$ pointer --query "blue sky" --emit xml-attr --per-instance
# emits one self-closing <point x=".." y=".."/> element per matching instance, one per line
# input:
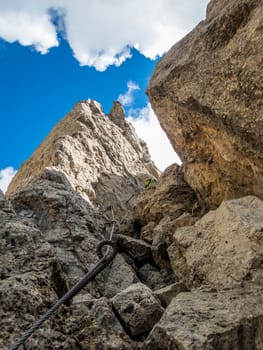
<point x="54" y="53"/>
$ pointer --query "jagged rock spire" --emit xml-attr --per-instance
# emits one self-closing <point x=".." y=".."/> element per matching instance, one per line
<point x="117" y="114"/>
<point x="101" y="156"/>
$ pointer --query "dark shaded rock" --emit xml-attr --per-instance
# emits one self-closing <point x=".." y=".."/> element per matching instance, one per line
<point x="46" y="247"/>
<point x="117" y="277"/>
<point x="154" y="277"/>
<point x="137" y="249"/>
<point x="117" y="115"/>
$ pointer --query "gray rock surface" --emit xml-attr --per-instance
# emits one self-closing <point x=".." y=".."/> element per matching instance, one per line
<point x="206" y="320"/>
<point x="206" y="92"/>
<point x="46" y="246"/>
<point x="224" y="248"/>
<point x="73" y="228"/>
<point x="154" y="277"/>
<point x="166" y="294"/>
<point x="137" y="308"/>
<point x="160" y="208"/>
<point x="170" y="196"/>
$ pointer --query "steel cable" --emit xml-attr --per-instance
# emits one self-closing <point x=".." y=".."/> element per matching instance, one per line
<point x="100" y="265"/>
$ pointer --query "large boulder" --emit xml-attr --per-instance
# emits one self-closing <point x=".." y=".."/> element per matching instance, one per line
<point x="224" y="248"/>
<point x="207" y="94"/>
<point x="137" y="308"/>
<point x="206" y="320"/>
<point x="170" y="196"/>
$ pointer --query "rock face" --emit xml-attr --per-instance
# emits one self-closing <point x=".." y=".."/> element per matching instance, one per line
<point x="171" y="197"/>
<point x="138" y="309"/>
<point x="224" y="248"/>
<point x="184" y="277"/>
<point x="46" y="246"/>
<point x="163" y="206"/>
<point x="58" y="211"/>
<point x="101" y="156"/>
<point x="207" y="95"/>
<point x="206" y="320"/>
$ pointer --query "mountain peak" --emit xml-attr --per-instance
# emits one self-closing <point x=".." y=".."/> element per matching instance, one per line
<point x="99" y="159"/>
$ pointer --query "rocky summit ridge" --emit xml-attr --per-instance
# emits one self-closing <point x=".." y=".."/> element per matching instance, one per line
<point x="93" y="151"/>
<point x="188" y="274"/>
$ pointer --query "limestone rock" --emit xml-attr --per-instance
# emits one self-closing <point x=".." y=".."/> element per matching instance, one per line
<point x="207" y="94"/>
<point x="73" y="228"/>
<point x="138" y="250"/>
<point x="59" y="210"/>
<point x="45" y="248"/>
<point x="166" y="294"/>
<point x="85" y="325"/>
<point x="138" y="309"/>
<point x="118" y="277"/>
<point x="224" y="248"/>
<point x="170" y="196"/>
<point x="154" y="277"/>
<point x="117" y="115"/>
<point x="146" y="232"/>
<point x="22" y="247"/>
<point x="159" y="208"/>
<point x="105" y="163"/>
<point x="102" y="329"/>
<point x="204" y="320"/>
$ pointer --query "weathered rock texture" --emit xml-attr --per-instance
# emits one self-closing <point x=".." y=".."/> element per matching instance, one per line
<point x="206" y="320"/>
<point x="46" y="246"/>
<point x="207" y="94"/>
<point x="101" y="156"/>
<point x="163" y="206"/>
<point x="57" y="214"/>
<point x="171" y="197"/>
<point x="224" y="248"/>
<point x="138" y="309"/>
<point x="206" y="270"/>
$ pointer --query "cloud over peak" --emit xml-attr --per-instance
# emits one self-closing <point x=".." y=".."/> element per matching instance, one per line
<point x="101" y="33"/>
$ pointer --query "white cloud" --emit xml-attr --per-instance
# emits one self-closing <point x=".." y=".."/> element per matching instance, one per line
<point x="101" y="32"/>
<point x="128" y="98"/>
<point x="28" y="29"/>
<point x="6" y="176"/>
<point x="148" y="128"/>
